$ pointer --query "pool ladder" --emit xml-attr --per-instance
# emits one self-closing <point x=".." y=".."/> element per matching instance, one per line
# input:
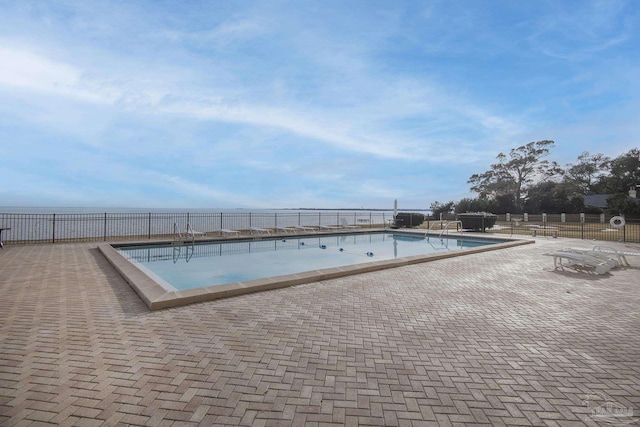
<point x="179" y="239"/>
<point x="445" y="229"/>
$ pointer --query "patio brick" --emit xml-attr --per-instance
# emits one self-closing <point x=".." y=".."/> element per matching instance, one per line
<point x="495" y="338"/>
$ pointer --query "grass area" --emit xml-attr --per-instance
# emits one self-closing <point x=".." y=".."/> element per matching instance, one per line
<point x="576" y="230"/>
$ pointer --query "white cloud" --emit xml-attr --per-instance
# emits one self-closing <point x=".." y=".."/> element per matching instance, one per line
<point x="577" y="33"/>
<point x="188" y="98"/>
<point x="353" y="128"/>
<point x="223" y="35"/>
<point x="27" y="70"/>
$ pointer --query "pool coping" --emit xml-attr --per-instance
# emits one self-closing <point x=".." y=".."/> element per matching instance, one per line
<point x="156" y="297"/>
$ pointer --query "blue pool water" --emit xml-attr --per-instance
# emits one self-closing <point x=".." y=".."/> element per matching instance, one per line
<point x="216" y="263"/>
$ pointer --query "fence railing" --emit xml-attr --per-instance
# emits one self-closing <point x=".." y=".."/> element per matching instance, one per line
<point x="577" y="226"/>
<point x="86" y="227"/>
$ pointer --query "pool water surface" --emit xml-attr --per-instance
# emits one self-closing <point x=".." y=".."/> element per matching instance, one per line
<point x="216" y="263"/>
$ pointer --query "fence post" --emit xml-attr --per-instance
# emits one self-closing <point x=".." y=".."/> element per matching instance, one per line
<point x="53" y="236"/>
<point x="105" y="227"/>
<point x="149" y="225"/>
<point x="582" y="219"/>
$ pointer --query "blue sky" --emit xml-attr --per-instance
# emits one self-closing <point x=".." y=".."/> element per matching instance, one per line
<point x="272" y="104"/>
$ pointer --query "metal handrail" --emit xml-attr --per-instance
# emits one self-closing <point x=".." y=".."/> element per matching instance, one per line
<point x="426" y="234"/>
<point x="177" y="236"/>
<point x="446" y="227"/>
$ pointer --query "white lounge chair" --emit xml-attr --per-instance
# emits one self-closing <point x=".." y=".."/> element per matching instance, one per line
<point x="604" y="256"/>
<point x="193" y="233"/>
<point x="304" y="228"/>
<point x="620" y="255"/>
<point x="286" y="229"/>
<point x="227" y="231"/>
<point x="570" y="259"/>
<point x="259" y="230"/>
<point x="330" y="227"/>
<point x="345" y="224"/>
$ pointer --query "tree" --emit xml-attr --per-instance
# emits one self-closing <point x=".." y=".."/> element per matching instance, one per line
<point x="437" y="208"/>
<point x="624" y="172"/>
<point x="549" y="196"/>
<point x="622" y="204"/>
<point x="476" y="205"/>
<point x="514" y="173"/>
<point x="583" y="178"/>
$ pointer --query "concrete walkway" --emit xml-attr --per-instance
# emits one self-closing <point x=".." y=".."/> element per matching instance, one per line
<point x="487" y="339"/>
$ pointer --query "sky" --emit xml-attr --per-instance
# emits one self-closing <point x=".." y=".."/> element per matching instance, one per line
<point x="287" y="104"/>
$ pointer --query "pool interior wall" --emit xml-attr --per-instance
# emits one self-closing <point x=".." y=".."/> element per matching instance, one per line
<point x="156" y="296"/>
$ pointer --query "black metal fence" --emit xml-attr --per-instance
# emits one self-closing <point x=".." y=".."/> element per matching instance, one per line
<point x="578" y="226"/>
<point x="86" y="227"/>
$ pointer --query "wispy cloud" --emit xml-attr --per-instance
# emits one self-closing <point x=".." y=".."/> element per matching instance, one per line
<point x="580" y="31"/>
<point x="30" y="71"/>
<point x="38" y="73"/>
<point x="223" y="35"/>
<point x="242" y="104"/>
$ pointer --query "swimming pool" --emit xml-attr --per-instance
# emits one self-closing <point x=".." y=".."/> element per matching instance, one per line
<point x="209" y="264"/>
<point x="166" y="274"/>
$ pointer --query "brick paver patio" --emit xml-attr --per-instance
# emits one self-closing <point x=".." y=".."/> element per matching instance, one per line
<point x="487" y="339"/>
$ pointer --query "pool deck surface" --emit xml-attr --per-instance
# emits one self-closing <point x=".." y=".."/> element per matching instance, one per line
<point x="492" y="338"/>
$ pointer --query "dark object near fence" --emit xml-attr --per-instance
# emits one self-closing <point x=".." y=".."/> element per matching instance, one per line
<point x="477" y="220"/>
<point x="408" y="219"/>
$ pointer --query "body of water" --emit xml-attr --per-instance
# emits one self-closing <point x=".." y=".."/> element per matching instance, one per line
<point x="47" y="224"/>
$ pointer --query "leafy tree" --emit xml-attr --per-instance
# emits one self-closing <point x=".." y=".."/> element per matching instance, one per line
<point x="549" y="196"/>
<point x="623" y="204"/>
<point x="441" y="208"/>
<point x="504" y="203"/>
<point x="500" y="204"/>
<point x="512" y="175"/>
<point x="624" y="172"/>
<point x="476" y="205"/>
<point x="464" y="205"/>
<point x="584" y="177"/>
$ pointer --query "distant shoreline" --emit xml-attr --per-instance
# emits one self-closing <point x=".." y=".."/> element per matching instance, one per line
<point x="89" y="209"/>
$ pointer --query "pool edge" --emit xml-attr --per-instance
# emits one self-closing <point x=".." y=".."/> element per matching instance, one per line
<point x="157" y="297"/>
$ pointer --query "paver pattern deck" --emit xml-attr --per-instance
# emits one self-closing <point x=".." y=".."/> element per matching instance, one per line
<point x="488" y="339"/>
